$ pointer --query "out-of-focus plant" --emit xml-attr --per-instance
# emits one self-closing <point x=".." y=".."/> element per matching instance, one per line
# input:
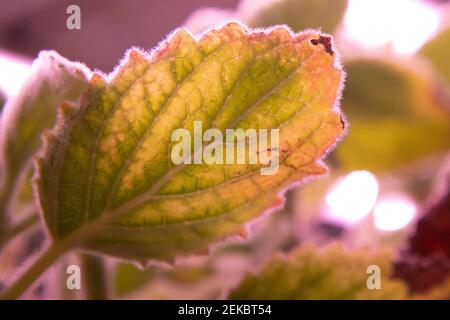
<point x="309" y="273"/>
<point x="437" y="51"/>
<point x="394" y="116"/>
<point x="53" y="80"/>
<point x="299" y="15"/>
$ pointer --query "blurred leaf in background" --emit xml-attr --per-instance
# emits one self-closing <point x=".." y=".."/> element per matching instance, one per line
<point x="299" y="14"/>
<point x="53" y="79"/>
<point x="437" y="50"/>
<point x="311" y="273"/>
<point x="393" y="115"/>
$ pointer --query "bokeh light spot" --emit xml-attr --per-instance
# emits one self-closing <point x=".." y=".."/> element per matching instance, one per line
<point x="353" y="197"/>
<point x="393" y="212"/>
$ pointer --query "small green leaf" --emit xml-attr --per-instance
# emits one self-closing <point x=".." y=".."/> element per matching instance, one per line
<point x="310" y="273"/>
<point x="300" y="14"/>
<point x="25" y="116"/>
<point x="394" y="117"/>
<point x="107" y="180"/>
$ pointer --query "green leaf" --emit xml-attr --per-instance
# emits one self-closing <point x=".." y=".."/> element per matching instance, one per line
<point x="437" y="50"/>
<point x="107" y="181"/>
<point x="394" y="117"/>
<point x="128" y="278"/>
<point x="25" y="116"/>
<point x="300" y="14"/>
<point x="310" y="273"/>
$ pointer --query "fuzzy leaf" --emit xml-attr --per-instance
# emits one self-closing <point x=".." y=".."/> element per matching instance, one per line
<point x="107" y="180"/>
<point x="25" y="116"/>
<point x="308" y="273"/>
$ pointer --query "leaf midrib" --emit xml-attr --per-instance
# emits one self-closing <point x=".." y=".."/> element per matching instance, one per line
<point x="166" y="177"/>
<point x="176" y="170"/>
<point x="108" y="216"/>
<point x="204" y="219"/>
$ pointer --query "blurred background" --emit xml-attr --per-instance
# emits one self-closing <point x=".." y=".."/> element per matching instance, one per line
<point x="390" y="177"/>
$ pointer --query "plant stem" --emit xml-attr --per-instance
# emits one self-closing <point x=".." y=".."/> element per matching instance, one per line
<point x="6" y="192"/>
<point x="28" y="222"/>
<point x="94" y="275"/>
<point x="25" y="280"/>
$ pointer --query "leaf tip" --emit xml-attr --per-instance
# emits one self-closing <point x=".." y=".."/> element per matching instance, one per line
<point x="97" y="80"/>
<point x="136" y="55"/>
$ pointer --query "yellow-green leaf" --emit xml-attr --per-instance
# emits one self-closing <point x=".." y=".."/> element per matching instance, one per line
<point x="394" y="117"/>
<point x="107" y="180"/>
<point x="331" y="273"/>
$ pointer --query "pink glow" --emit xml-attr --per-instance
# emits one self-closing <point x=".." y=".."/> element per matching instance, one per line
<point x="404" y="24"/>
<point x="393" y="212"/>
<point x="353" y="197"/>
<point x="14" y="72"/>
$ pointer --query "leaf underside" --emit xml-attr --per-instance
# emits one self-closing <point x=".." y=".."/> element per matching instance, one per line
<point x="113" y="151"/>
<point x="311" y="273"/>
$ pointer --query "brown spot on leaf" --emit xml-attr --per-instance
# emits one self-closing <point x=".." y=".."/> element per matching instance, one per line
<point x="342" y="122"/>
<point x="326" y="42"/>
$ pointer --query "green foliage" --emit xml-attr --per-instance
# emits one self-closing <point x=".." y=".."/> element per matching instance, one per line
<point x="301" y="14"/>
<point x="437" y="50"/>
<point x="394" y="118"/>
<point x="53" y="80"/>
<point x="308" y="273"/>
<point x="128" y="278"/>
<point x="106" y="181"/>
